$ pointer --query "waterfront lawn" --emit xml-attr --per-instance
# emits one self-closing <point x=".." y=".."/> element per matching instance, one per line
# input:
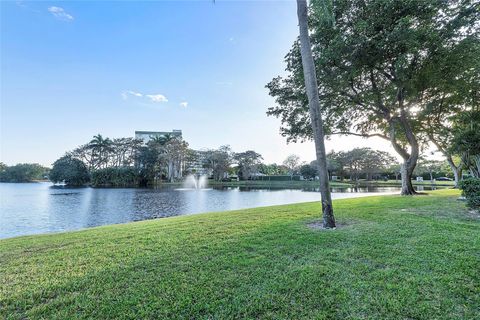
<point x="427" y="183"/>
<point x="277" y="184"/>
<point x="394" y="258"/>
<point x="334" y="184"/>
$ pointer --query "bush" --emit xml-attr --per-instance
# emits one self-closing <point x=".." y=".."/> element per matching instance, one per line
<point x="471" y="190"/>
<point x="69" y="170"/>
<point x="115" y="177"/>
<point x="278" y="178"/>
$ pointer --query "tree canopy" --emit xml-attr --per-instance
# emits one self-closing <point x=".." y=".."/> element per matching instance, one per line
<point x="69" y="170"/>
<point x="381" y="65"/>
<point x="22" y="172"/>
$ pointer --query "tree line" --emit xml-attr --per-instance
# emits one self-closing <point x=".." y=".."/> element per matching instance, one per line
<point x="130" y="162"/>
<point x="23" y="172"/>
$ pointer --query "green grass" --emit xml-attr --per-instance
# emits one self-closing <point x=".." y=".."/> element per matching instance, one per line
<point x="395" y="258"/>
<point x="315" y="184"/>
<point x="414" y="182"/>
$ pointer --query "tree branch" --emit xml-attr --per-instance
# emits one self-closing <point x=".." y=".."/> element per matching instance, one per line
<point x="363" y="135"/>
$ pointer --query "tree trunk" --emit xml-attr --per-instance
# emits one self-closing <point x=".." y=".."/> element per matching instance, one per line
<point x="409" y="159"/>
<point x="457" y="175"/>
<point x="457" y="170"/>
<point x="406" y="172"/>
<point x="311" y="87"/>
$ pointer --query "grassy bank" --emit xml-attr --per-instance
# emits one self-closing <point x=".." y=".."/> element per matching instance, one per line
<point x="415" y="183"/>
<point x="333" y="184"/>
<point x="394" y="258"/>
<point x="276" y="184"/>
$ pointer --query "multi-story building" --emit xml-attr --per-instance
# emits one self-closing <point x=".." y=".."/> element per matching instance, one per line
<point x="149" y="135"/>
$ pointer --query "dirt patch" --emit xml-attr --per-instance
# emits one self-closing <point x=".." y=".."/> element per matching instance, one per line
<point x="474" y="214"/>
<point x="318" y="225"/>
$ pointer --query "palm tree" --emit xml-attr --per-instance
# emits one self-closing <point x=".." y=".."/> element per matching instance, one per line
<point x="311" y="87"/>
<point x="101" y="147"/>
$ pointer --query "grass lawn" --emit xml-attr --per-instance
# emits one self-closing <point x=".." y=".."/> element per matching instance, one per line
<point x="333" y="184"/>
<point x="394" y="258"/>
<point x="414" y="182"/>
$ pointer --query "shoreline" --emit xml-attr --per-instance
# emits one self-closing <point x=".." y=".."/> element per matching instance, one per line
<point x="344" y="196"/>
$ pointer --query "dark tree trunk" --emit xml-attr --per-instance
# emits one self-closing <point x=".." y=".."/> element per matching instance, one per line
<point x="311" y="87"/>
<point x="409" y="159"/>
<point x="406" y="172"/>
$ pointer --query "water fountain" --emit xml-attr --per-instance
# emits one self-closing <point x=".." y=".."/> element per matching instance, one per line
<point x="195" y="182"/>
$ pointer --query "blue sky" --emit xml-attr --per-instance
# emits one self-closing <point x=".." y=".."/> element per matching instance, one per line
<point x="70" y="70"/>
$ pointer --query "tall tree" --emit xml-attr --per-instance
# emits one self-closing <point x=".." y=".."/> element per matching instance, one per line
<point x="218" y="161"/>
<point x="316" y="121"/>
<point x="380" y="64"/>
<point x="248" y="163"/>
<point x="292" y="162"/>
<point x="175" y="152"/>
<point x="101" y="148"/>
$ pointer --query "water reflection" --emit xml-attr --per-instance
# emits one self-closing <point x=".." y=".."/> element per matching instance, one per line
<point x="30" y="208"/>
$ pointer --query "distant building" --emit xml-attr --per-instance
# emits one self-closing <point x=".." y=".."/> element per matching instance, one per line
<point x="149" y="135"/>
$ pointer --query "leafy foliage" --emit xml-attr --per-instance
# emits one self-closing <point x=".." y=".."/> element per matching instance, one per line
<point x="115" y="177"/>
<point x="69" y="170"/>
<point x="381" y="66"/>
<point x="22" y="172"/>
<point x="248" y="163"/>
<point x="292" y="163"/>
<point x="272" y="169"/>
<point x="218" y="161"/>
<point x="359" y="161"/>
<point x="308" y="171"/>
<point x="471" y="190"/>
<point x="466" y="140"/>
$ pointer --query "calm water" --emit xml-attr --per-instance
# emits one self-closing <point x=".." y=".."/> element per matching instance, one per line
<point x="31" y="208"/>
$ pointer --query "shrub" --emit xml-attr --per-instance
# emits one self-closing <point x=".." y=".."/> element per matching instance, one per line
<point x="278" y="178"/>
<point x="115" y="177"/>
<point x="471" y="190"/>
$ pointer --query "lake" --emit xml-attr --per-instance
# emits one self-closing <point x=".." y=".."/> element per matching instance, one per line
<point x="32" y="208"/>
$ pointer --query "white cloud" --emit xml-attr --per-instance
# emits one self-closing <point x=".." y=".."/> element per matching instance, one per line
<point x="60" y="13"/>
<point x="136" y="94"/>
<point x="184" y="104"/>
<point x="125" y="94"/>
<point x="157" y="97"/>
